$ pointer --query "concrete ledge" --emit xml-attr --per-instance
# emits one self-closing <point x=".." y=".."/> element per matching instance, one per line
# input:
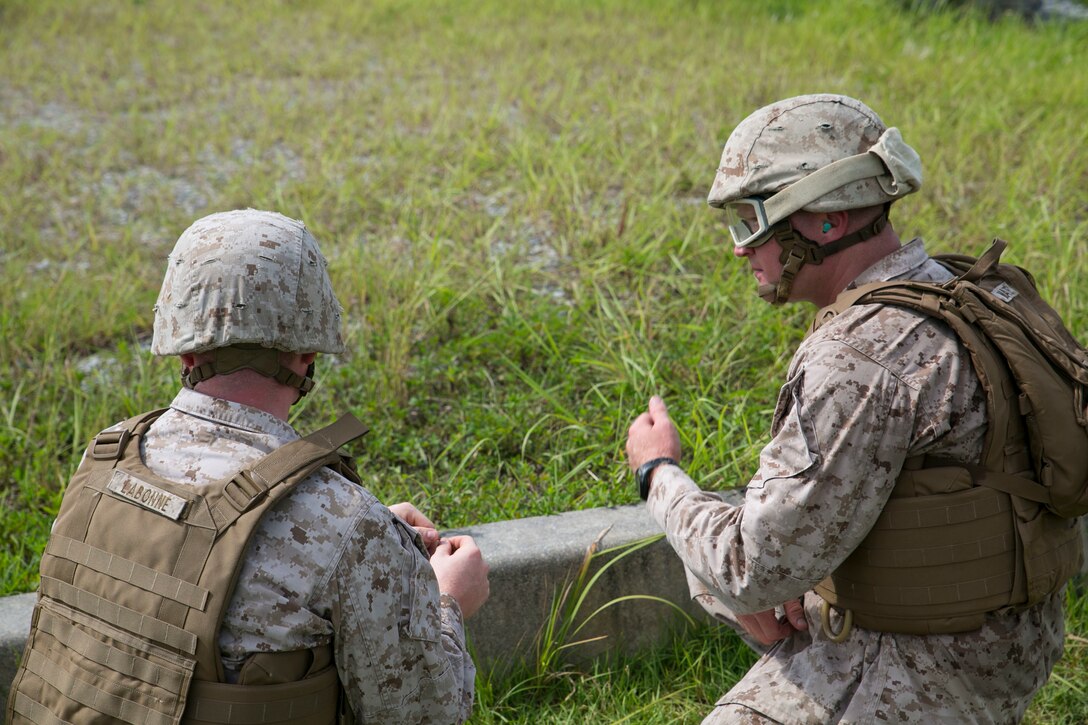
<point x="15" y="614"/>
<point x="530" y="560"/>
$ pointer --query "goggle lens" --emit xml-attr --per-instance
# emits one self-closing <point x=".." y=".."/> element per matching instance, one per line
<point x="747" y="222"/>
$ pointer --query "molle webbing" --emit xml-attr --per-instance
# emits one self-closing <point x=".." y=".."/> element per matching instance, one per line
<point x="939" y="563"/>
<point x="313" y="701"/>
<point x="133" y="593"/>
<point x="932" y="564"/>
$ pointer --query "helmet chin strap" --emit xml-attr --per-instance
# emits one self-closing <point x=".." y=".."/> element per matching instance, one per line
<point x="798" y="250"/>
<point x="263" y="360"/>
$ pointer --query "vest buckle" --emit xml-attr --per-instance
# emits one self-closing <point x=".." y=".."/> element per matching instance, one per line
<point x="242" y="491"/>
<point x="110" y="445"/>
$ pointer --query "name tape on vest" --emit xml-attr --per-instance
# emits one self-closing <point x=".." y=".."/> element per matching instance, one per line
<point x="144" y="494"/>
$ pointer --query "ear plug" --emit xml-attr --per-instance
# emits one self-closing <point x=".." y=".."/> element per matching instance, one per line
<point x="827" y="227"/>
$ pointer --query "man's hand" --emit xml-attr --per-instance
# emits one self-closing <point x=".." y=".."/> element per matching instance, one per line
<point x="462" y="572"/>
<point x="767" y="629"/>
<point x="652" y="435"/>
<point x="419" y="522"/>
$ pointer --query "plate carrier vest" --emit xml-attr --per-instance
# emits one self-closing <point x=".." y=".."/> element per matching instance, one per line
<point x="135" y="581"/>
<point x="957" y="541"/>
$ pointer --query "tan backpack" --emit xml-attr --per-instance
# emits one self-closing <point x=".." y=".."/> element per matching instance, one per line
<point x="1009" y="330"/>
<point x="1002" y="532"/>
<point x="135" y="581"/>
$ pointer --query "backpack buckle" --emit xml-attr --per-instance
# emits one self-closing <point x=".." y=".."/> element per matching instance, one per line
<point x="109" y="445"/>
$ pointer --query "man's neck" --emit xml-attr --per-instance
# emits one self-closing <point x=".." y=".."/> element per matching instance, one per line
<point x="253" y="389"/>
<point x="853" y="262"/>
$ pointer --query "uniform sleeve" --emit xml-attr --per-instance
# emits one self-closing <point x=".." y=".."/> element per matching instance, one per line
<point x="400" y="645"/>
<point x="841" y="431"/>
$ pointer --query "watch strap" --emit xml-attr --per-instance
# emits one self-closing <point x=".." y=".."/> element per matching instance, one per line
<point x="646" y="470"/>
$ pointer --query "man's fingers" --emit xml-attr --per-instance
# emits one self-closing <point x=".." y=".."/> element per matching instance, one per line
<point x="795" y="613"/>
<point x="430" y="536"/>
<point x="657" y="408"/>
<point x="411" y="515"/>
<point x="764" y="627"/>
<point x="457" y="543"/>
<point x="642" y="421"/>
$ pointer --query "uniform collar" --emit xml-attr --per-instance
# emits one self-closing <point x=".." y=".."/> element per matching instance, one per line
<point x="900" y="264"/>
<point x="235" y="415"/>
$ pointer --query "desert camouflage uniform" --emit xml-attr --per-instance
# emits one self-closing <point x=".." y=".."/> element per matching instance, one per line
<point x="327" y="563"/>
<point x="869" y="388"/>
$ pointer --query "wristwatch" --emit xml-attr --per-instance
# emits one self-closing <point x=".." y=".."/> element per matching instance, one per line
<point x="642" y="475"/>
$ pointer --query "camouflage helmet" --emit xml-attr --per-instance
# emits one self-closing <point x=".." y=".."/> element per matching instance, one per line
<point x="250" y="278"/>
<point x="781" y="144"/>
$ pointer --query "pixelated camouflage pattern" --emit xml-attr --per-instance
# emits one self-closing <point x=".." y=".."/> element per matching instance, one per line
<point x="328" y="563"/>
<point x="868" y="389"/>
<point x="786" y="141"/>
<point x="246" y="277"/>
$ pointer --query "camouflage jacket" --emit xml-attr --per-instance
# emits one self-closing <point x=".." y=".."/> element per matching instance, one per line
<point x="870" y="388"/>
<point x="327" y="563"/>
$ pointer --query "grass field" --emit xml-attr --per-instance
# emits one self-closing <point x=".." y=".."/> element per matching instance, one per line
<point x="511" y="197"/>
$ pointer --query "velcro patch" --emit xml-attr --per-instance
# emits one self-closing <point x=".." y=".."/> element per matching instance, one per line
<point x="1004" y="292"/>
<point x="146" y="495"/>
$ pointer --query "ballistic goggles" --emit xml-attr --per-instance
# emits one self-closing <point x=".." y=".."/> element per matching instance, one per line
<point x="747" y="221"/>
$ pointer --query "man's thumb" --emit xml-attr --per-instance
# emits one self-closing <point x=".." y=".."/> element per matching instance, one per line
<point x="657" y="408"/>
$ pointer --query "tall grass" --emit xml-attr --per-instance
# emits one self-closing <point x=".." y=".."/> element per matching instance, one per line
<point x="511" y="198"/>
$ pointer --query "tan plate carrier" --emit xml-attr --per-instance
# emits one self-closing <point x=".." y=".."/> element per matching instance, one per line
<point x="135" y="581"/>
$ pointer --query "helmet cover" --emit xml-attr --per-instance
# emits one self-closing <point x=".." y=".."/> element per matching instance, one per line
<point x="246" y="277"/>
<point x="786" y="141"/>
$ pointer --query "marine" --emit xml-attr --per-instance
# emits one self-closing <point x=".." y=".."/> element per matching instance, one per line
<point x="209" y="564"/>
<point x="878" y="398"/>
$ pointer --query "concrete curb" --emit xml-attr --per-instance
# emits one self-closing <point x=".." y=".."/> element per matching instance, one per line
<point x="14" y="625"/>
<point x="530" y="560"/>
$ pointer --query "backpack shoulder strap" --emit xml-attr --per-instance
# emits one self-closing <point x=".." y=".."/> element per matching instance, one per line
<point x="972" y="269"/>
<point x="926" y="297"/>
<point x="953" y="302"/>
<point x="922" y="296"/>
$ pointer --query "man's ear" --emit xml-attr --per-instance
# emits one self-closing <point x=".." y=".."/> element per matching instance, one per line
<point x="835" y="225"/>
<point x="289" y="358"/>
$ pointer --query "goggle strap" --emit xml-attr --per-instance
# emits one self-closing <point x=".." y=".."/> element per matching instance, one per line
<point x="821" y="182"/>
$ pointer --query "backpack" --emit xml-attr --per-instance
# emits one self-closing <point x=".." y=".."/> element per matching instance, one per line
<point x="1015" y="339"/>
